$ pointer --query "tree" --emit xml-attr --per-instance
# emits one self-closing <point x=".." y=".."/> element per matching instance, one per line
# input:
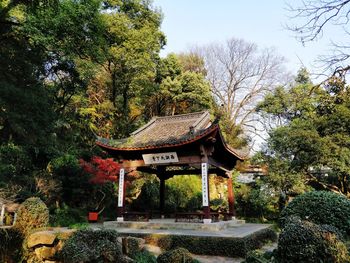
<point x="131" y="54"/>
<point x="102" y="170"/>
<point x="314" y="138"/>
<point x="240" y="75"/>
<point x="178" y="89"/>
<point x="313" y="17"/>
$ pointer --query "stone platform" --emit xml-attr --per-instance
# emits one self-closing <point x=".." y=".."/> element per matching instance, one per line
<point x="227" y="238"/>
<point x="169" y="224"/>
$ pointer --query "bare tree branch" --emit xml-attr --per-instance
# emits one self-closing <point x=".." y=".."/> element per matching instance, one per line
<point x="240" y="75"/>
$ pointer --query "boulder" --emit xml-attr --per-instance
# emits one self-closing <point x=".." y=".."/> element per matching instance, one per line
<point x="43" y="253"/>
<point x="64" y="233"/>
<point x="41" y="238"/>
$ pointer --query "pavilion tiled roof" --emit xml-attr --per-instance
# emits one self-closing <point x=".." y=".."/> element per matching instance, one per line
<point x="168" y="130"/>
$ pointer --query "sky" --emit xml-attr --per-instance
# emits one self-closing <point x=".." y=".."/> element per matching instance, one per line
<point x="198" y="22"/>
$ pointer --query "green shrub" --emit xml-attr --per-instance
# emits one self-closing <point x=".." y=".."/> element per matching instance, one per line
<point x="257" y="256"/>
<point x="255" y="201"/>
<point x="67" y="216"/>
<point x="92" y="246"/>
<point x="144" y="257"/>
<point x="132" y="245"/>
<point x="303" y="241"/>
<point x="32" y="214"/>
<point x="178" y="255"/>
<point x="11" y="240"/>
<point x="218" y="204"/>
<point x="320" y="207"/>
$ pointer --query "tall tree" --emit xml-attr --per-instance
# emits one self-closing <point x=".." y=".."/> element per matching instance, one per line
<point x="240" y="75"/>
<point x="131" y="55"/>
<point x="178" y="88"/>
<point x="314" y="138"/>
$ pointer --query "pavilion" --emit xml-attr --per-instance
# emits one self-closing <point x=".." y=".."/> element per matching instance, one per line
<point x="175" y="145"/>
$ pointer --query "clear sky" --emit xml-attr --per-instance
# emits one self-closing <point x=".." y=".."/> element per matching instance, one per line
<point x="198" y="22"/>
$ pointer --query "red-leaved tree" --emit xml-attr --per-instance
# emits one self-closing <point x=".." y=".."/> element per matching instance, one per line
<point x="102" y="170"/>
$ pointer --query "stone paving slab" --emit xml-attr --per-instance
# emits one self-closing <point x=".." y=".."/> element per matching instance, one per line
<point x="238" y="231"/>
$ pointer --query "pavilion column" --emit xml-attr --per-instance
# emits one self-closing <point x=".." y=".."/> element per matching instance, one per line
<point x="161" y="175"/>
<point x="230" y="196"/>
<point x="205" y="193"/>
<point x="161" y="196"/>
<point x="121" y="196"/>
<point x="2" y="214"/>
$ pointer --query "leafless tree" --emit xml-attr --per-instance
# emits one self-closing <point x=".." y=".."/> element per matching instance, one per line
<point x="240" y="75"/>
<point x="312" y="17"/>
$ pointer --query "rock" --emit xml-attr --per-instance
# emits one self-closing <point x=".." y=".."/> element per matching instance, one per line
<point x="41" y="238"/>
<point x="132" y="245"/>
<point x="64" y="233"/>
<point x="153" y="249"/>
<point x="45" y="252"/>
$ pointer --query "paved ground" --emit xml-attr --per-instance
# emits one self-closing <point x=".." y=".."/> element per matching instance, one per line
<point x="237" y="231"/>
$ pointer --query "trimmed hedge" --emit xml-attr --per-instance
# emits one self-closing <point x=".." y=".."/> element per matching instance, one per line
<point x="258" y="256"/>
<point x="303" y="241"/>
<point x="320" y="207"/>
<point x="178" y="255"/>
<point x="32" y="214"/>
<point x="216" y="246"/>
<point x="92" y="246"/>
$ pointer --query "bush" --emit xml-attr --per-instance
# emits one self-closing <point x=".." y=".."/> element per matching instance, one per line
<point x="144" y="257"/>
<point x="303" y="241"/>
<point x="67" y="216"/>
<point x="255" y="201"/>
<point x="92" y="246"/>
<point x="11" y="240"/>
<point x="258" y="256"/>
<point x="178" y="255"/>
<point x="320" y="207"/>
<point x="32" y="214"/>
<point x="218" y="205"/>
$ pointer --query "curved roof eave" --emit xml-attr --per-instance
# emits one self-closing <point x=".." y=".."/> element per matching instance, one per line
<point x="185" y="142"/>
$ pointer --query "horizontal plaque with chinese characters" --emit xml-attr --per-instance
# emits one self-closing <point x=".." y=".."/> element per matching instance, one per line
<point x="155" y="158"/>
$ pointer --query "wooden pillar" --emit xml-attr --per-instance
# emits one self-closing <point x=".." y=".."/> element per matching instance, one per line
<point x="205" y="193"/>
<point x="121" y="196"/>
<point x="230" y="197"/>
<point x="161" y="196"/>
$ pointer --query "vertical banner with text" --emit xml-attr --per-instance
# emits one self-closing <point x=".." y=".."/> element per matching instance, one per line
<point x="121" y="187"/>
<point x="205" y="184"/>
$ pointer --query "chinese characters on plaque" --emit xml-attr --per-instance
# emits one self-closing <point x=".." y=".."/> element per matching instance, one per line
<point x="155" y="158"/>
<point x="205" y="184"/>
<point x="121" y="187"/>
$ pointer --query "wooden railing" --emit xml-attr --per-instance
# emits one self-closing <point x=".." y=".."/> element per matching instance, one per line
<point x="136" y="216"/>
<point x="197" y="217"/>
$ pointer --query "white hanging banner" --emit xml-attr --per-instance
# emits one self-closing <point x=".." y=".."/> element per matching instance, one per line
<point x="121" y="187"/>
<point x="205" y="184"/>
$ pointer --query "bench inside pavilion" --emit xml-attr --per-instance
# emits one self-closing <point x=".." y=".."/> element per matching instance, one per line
<point x="187" y="144"/>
